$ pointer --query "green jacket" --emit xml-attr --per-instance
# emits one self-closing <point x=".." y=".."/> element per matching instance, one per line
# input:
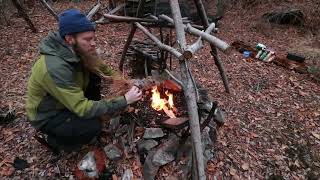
<point x="58" y="82"/>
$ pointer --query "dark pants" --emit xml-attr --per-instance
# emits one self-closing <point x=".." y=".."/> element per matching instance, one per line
<point x="68" y="131"/>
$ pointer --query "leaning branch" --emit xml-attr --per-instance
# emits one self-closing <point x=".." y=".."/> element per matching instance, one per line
<point x="49" y="8"/>
<point x="162" y="46"/>
<point x="93" y="11"/>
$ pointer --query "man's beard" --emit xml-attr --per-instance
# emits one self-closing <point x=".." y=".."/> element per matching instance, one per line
<point x="90" y="60"/>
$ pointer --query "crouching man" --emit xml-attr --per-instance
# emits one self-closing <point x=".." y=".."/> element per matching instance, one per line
<point x="63" y="96"/>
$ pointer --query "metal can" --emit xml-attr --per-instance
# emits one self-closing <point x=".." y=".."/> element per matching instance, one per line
<point x="260" y="46"/>
<point x="263" y="55"/>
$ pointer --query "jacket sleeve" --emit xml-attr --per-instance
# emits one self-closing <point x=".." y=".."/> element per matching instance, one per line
<point x="60" y="83"/>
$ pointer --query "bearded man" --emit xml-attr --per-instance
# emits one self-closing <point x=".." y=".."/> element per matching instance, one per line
<point x="63" y="96"/>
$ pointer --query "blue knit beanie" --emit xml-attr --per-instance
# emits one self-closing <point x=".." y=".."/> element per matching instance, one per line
<point x="72" y="21"/>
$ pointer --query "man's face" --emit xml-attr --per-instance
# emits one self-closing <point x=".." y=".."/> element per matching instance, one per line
<point x="83" y="43"/>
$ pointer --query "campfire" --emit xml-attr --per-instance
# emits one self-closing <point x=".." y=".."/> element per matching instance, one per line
<point x="165" y="104"/>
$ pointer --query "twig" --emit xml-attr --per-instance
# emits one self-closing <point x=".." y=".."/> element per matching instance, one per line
<point x="174" y="78"/>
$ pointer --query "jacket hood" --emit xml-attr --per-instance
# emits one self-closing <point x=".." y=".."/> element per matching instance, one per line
<point x="54" y="45"/>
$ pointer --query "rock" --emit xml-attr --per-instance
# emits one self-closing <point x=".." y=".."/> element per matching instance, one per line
<point x="114" y="124"/>
<point x="127" y="175"/>
<point x="151" y="133"/>
<point x="146" y="145"/>
<point x="112" y="152"/>
<point x="175" y="123"/>
<point x="207" y="156"/>
<point x="149" y="168"/>
<point x="205" y="139"/>
<point x="167" y="152"/>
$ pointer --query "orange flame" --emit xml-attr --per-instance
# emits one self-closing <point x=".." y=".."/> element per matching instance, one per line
<point x="161" y="104"/>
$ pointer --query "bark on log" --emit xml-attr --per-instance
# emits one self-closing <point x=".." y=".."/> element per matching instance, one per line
<point x="50" y="9"/>
<point x="115" y="18"/>
<point x="206" y="36"/>
<point x="223" y="46"/>
<point x="189" y="93"/>
<point x="192" y="49"/>
<point x="25" y="16"/>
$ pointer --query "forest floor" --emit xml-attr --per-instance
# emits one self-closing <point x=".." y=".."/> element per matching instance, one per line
<point x="272" y="129"/>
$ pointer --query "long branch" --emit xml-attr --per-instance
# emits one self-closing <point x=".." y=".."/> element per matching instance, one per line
<point x="189" y="93"/>
<point x="158" y="42"/>
<point x="93" y="11"/>
<point x="49" y="8"/>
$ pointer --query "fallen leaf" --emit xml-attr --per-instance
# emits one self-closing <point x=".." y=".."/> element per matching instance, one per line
<point x="245" y="166"/>
<point x="316" y="135"/>
<point x="6" y="171"/>
<point x="302" y="93"/>
<point x="114" y="177"/>
<point x="270" y="150"/>
<point x="233" y="171"/>
<point x="130" y="109"/>
<point x="254" y="135"/>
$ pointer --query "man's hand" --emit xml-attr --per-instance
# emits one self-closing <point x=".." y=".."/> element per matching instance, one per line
<point x="133" y="95"/>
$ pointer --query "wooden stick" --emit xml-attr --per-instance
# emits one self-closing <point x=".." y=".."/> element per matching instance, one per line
<point x="211" y="39"/>
<point x="189" y="93"/>
<point x="93" y="11"/>
<point x="126" y="46"/>
<point x="113" y="11"/>
<point x="127" y="18"/>
<point x="214" y="52"/>
<point x="140" y="11"/>
<point x="49" y="8"/>
<point x="175" y="52"/>
<point x="174" y="78"/>
<point x="192" y="49"/>
<point x="206" y="36"/>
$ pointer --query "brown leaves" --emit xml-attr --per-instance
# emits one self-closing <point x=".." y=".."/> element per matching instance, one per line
<point x="6" y="170"/>
<point x="245" y="166"/>
<point x="316" y="135"/>
<point x="233" y="171"/>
